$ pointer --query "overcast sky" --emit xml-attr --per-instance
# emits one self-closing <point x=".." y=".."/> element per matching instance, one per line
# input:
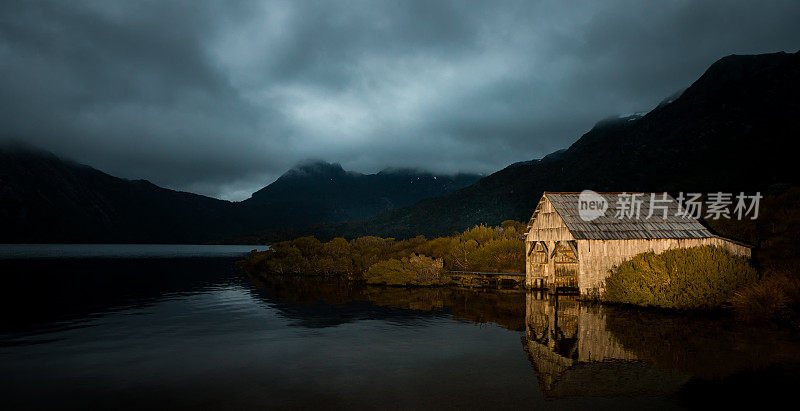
<point x="220" y="98"/>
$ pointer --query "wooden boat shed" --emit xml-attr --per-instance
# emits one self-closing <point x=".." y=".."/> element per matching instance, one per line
<point x="564" y="251"/>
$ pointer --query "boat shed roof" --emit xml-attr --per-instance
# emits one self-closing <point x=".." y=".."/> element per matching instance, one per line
<point x="610" y="226"/>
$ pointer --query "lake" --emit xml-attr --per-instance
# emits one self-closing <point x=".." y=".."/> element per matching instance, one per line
<point x="129" y="326"/>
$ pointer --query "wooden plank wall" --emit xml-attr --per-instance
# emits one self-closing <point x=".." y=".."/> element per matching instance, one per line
<point x="548" y="227"/>
<point x="597" y="257"/>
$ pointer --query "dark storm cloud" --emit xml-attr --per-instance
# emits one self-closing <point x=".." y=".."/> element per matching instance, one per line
<point x="221" y="97"/>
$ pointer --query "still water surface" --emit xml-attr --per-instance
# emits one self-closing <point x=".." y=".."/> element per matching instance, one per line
<point x="27" y="251"/>
<point x="192" y="332"/>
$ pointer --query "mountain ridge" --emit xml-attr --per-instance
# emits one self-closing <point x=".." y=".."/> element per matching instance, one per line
<point x="324" y="192"/>
<point x="727" y="131"/>
<point x="45" y="198"/>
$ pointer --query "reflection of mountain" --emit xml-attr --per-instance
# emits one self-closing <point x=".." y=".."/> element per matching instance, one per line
<point x="574" y="355"/>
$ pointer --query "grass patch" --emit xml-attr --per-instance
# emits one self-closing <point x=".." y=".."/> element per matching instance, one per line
<point x="775" y="299"/>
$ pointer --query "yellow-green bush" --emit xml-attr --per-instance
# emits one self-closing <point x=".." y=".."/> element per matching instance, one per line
<point x="697" y="277"/>
<point x="481" y="234"/>
<point x="414" y="270"/>
<point x="481" y="248"/>
<point x="505" y="255"/>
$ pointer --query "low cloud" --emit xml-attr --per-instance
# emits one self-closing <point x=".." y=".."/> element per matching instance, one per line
<point x="221" y="98"/>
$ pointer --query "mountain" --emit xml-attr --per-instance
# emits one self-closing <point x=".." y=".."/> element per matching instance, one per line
<point x="732" y="130"/>
<point x="47" y="199"/>
<point x="314" y="192"/>
<point x="550" y="157"/>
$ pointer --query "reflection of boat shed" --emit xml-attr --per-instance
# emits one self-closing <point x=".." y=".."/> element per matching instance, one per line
<point x="575" y="355"/>
<point x="565" y="250"/>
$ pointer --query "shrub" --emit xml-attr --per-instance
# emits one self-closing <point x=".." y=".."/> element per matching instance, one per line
<point x="437" y="248"/>
<point x="481" y="248"/>
<point x="504" y="255"/>
<point x="513" y="229"/>
<point x="307" y="245"/>
<point x="480" y="234"/>
<point x="414" y="270"/>
<point x="462" y="253"/>
<point x="697" y="277"/>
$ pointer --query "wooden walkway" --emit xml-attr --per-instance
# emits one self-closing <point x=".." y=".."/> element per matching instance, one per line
<point x="487" y="279"/>
<point x="506" y="280"/>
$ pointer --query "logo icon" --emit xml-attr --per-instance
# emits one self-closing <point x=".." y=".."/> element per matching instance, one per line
<point x="591" y="205"/>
